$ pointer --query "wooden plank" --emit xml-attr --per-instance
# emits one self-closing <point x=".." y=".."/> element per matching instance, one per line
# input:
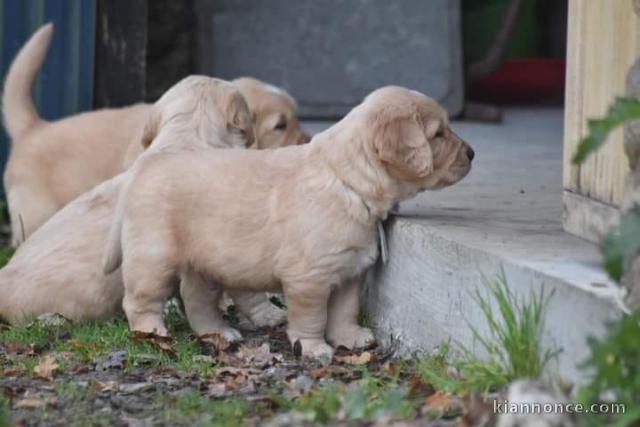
<point x="121" y="41"/>
<point x="603" y="42"/>
<point x="586" y="217"/>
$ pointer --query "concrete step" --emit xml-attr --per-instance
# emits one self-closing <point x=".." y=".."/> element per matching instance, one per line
<point x="506" y="214"/>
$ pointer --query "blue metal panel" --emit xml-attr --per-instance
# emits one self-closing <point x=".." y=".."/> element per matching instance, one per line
<point x="65" y="83"/>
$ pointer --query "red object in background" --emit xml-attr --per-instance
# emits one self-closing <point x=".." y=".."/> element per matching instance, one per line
<point x="522" y="81"/>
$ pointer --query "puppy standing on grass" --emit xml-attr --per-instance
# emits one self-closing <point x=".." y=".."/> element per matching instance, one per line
<point x="299" y="218"/>
<point x="58" y="269"/>
<point x="51" y="163"/>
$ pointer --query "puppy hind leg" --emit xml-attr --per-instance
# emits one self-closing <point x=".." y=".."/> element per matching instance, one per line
<point x="258" y="308"/>
<point x="145" y="292"/>
<point x="342" y="324"/>
<point x="307" y="314"/>
<point x="201" y="298"/>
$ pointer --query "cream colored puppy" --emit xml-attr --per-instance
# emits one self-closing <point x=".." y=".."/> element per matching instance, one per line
<point x="301" y="219"/>
<point x="274" y="114"/>
<point x="58" y="269"/>
<point x="51" y="163"/>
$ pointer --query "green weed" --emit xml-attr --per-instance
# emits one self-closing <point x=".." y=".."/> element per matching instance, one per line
<point x="513" y="345"/>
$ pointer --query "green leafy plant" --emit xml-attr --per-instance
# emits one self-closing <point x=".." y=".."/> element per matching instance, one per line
<point x="513" y="345"/>
<point x="621" y="111"/>
<point x="615" y="364"/>
<point x="620" y="244"/>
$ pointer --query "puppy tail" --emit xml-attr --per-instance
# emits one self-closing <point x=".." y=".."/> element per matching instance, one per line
<point x="17" y="104"/>
<point x="113" y="252"/>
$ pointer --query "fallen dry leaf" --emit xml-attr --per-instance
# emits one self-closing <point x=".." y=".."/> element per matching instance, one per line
<point x="319" y="373"/>
<point x="356" y="359"/>
<point x="83" y="346"/>
<point x="46" y="367"/>
<point x="261" y="355"/>
<point x="418" y="387"/>
<point x="19" y="348"/>
<point x="35" y="403"/>
<point x="440" y="401"/>
<point x="160" y="342"/>
<point x="217" y="340"/>
<point x="105" y="386"/>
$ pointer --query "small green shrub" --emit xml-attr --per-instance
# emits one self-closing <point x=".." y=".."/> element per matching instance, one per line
<point x="615" y="363"/>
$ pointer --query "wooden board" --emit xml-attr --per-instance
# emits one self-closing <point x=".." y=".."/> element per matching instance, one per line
<point x="603" y="42"/>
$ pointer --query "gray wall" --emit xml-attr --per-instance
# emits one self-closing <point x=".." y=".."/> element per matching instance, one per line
<point x="330" y="53"/>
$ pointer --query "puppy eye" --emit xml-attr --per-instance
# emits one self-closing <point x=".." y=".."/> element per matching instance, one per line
<point x="440" y="133"/>
<point x="281" y="125"/>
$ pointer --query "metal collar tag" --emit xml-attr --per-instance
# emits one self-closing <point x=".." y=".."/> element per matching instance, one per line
<point x="384" y="249"/>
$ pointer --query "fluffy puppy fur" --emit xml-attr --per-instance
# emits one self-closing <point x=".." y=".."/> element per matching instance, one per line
<point x="305" y="221"/>
<point x="51" y="163"/>
<point x="58" y="269"/>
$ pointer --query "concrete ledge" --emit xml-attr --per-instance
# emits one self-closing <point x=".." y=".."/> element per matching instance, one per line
<point x="423" y="296"/>
<point x="506" y="214"/>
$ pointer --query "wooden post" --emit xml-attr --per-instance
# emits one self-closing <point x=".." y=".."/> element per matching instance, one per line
<point x="121" y="47"/>
<point x="603" y="42"/>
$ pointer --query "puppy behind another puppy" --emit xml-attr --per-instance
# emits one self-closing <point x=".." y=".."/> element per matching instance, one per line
<point x="58" y="269"/>
<point x="306" y="222"/>
<point x="51" y="163"/>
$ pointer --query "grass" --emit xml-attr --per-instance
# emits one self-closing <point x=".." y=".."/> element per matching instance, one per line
<point x="5" y="418"/>
<point x="513" y="345"/>
<point x="92" y="341"/>
<point x="365" y="400"/>
<point x="515" y="340"/>
<point x="192" y="407"/>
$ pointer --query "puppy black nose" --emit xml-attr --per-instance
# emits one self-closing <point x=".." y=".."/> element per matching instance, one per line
<point x="470" y="153"/>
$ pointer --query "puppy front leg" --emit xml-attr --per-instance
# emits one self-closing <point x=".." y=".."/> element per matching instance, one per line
<point x="342" y="324"/>
<point x="307" y="314"/>
<point x="201" y="298"/>
<point x="258" y="308"/>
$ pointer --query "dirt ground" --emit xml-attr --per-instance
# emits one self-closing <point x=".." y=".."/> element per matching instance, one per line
<point x="55" y="373"/>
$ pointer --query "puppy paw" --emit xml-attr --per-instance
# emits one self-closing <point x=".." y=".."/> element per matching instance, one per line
<point x="269" y="315"/>
<point x="351" y="337"/>
<point x="230" y="334"/>
<point x="317" y="349"/>
<point x="143" y="328"/>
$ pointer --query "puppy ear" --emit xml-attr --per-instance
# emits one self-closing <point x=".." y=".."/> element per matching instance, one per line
<point x="239" y="118"/>
<point x="401" y="143"/>
<point x="150" y="130"/>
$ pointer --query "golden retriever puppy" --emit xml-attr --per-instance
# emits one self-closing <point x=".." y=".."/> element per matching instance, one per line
<point x="302" y="219"/>
<point x="58" y="269"/>
<point x="274" y="114"/>
<point x="51" y="163"/>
